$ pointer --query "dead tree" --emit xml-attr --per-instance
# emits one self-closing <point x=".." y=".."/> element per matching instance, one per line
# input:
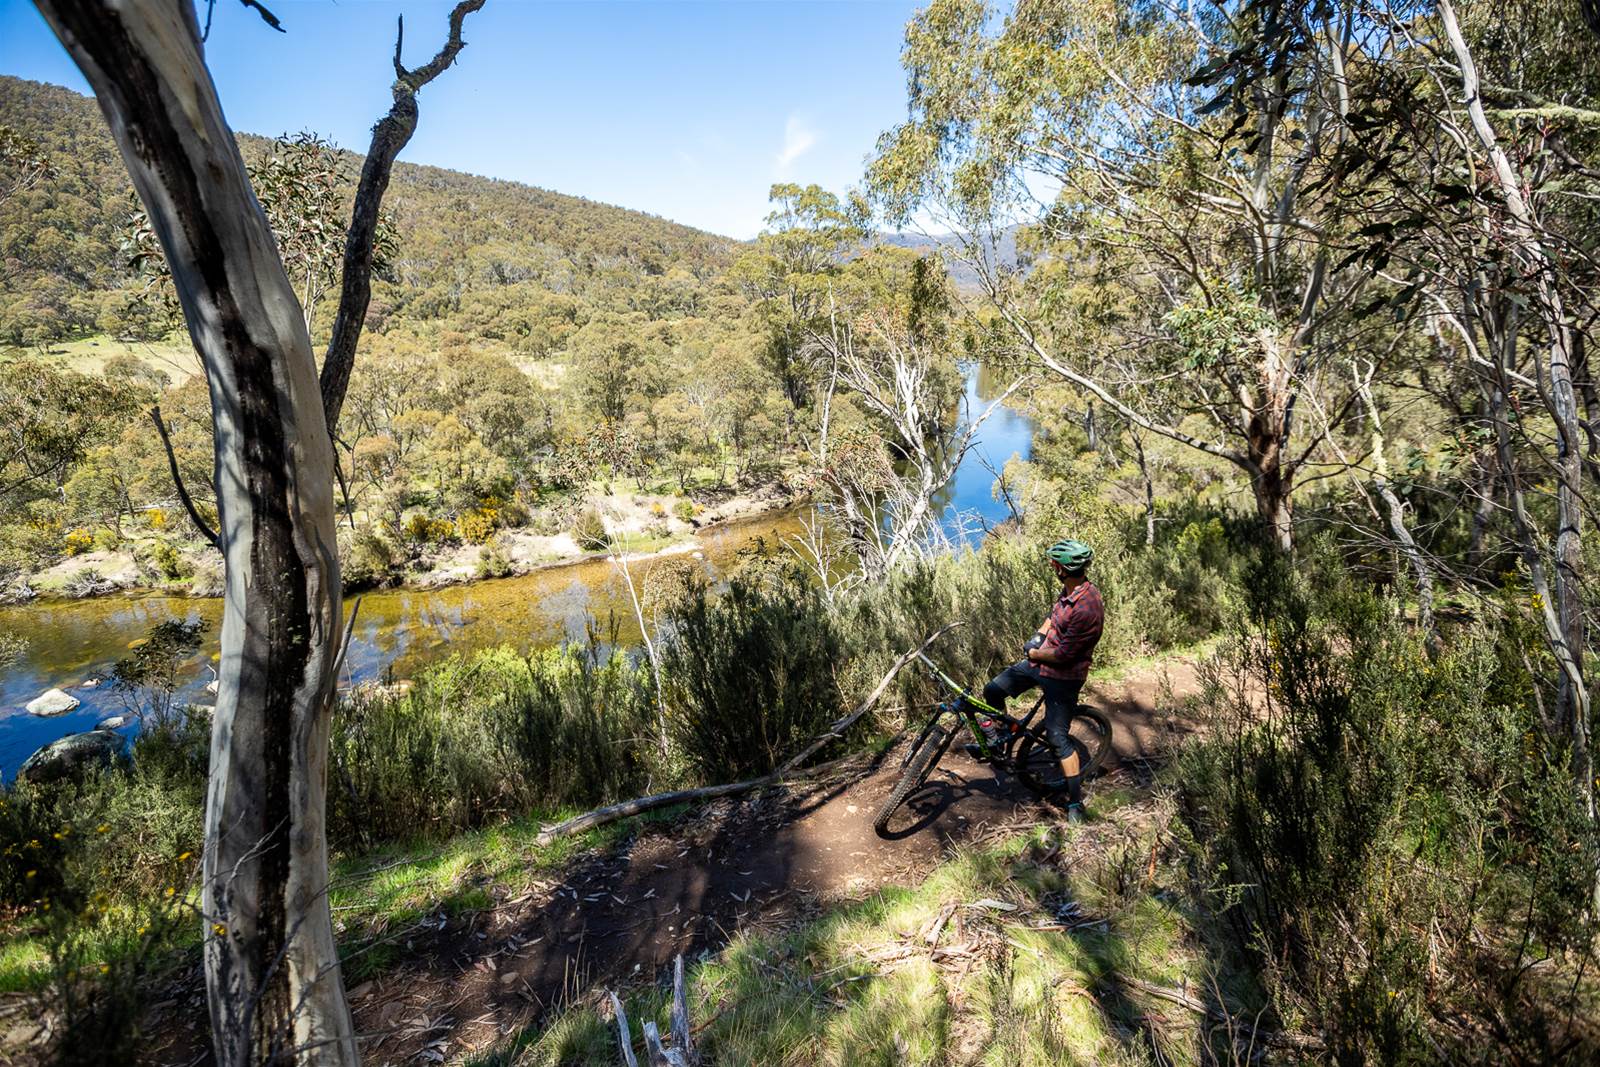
<point x="272" y="968"/>
<point x="679" y="1051"/>
<point x="887" y="510"/>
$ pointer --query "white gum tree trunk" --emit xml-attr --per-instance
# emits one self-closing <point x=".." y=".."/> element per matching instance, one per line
<point x="272" y="970"/>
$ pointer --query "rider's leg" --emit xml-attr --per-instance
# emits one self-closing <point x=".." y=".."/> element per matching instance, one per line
<point x="1060" y="697"/>
<point x="1011" y="682"/>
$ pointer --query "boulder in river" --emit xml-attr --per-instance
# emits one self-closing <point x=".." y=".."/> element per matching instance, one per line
<point x="52" y="702"/>
<point x="70" y="756"/>
<point x="114" y="722"/>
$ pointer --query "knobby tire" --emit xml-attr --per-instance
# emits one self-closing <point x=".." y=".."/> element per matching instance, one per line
<point x="1093" y="748"/>
<point x="918" y="767"/>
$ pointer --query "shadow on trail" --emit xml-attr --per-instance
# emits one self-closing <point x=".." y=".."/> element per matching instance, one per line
<point x="760" y="862"/>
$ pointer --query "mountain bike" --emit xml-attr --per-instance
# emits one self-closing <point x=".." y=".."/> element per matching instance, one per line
<point x="1008" y="743"/>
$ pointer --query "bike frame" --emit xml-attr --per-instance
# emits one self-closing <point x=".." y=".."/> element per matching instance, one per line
<point x="964" y="711"/>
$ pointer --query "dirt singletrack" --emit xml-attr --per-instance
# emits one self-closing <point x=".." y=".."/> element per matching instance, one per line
<point x="759" y="862"/>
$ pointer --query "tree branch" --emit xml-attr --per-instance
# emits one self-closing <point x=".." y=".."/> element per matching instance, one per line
<point x="177" y="481"/>
<point x="389" y="137"/>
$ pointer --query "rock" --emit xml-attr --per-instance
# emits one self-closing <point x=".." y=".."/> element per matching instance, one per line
<point x="114" y="722"/>
<point x="90" y="683"/>
<point x="212" y="686"/>
<point x="70" y="756"/>
<point x="52" y="702"/>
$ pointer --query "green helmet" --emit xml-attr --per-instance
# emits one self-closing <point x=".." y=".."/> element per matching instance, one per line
<point x="1073" y="555"/>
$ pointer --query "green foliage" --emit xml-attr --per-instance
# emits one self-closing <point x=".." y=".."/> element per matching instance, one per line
<point x="492" y="561"/>
<point x="589" y="530"/>
<point x="163" y="556"/>
<point x="1385" y="840"/>
<point x="749" y="676"/>
<point x="1213" y="334"/>
<point x="368" y="559"/>
<point x="482" y="737"/>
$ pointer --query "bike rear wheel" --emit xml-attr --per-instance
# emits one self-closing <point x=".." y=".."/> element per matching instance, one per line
<point x="920" y="764"/>
<point x="1039" y="768"/>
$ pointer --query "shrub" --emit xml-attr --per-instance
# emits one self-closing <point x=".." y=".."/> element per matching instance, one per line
<point x="481" y="737"/>
<point x="77" y="542"/>
<point x="368" y="559"/>
<point x="166" y="561"/>
<point x="476" y="526"/>
<point x="589" y="530"/>
<point x="422" y="529"/>
<point x="749" y="676"/>
<point x="157" y="518"/>
<point x="493" y="561"/>
<point x="1382" y="839"/>
<point x="685" y="510"/>
<point x="106" y="539"/>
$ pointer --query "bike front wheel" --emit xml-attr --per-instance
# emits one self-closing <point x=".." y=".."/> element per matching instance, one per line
<point x="920" y="764"/>
<point x="1039" y="767"/>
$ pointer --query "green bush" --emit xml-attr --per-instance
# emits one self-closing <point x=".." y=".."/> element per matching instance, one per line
<point x="368" y="560"/>
<point x="492" y="561"/>
<point x="162" y="557"/>
<point x="589" y="530"/>
<point x="685" y="510"/>
<point x="750" y="676"/>
<point x="485" y="736"/>
<point x="1385" y="838"/>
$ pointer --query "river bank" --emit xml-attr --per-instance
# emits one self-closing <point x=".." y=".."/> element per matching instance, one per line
<point x="644" y="525"/>
<point x="72" y="644"/>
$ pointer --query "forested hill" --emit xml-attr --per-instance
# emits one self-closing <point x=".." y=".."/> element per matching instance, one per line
<point x="493" y="259"/>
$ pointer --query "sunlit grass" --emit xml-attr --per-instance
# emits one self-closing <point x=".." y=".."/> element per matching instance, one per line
<point x="862" y="985"/>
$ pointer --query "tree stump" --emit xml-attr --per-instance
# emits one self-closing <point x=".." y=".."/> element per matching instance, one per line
<point x="680" y="1051"/>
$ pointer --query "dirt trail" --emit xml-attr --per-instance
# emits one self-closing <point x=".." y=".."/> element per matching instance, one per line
<point x="758" y="862"/>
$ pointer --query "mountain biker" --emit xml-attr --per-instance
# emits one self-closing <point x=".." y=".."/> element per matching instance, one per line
<point x="1057" y="657"/>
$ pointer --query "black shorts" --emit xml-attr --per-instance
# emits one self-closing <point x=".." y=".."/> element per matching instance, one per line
<point x="1060" y="697"/>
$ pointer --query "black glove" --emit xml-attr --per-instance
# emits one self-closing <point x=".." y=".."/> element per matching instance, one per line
<point x="1032" y="643"/>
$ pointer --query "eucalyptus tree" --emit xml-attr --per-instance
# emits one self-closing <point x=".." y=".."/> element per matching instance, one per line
<point x="1178" y="152"/>
<point x="1484" y="127"/>
<point x="810" y="233"/>
<point x="272" y="968"/>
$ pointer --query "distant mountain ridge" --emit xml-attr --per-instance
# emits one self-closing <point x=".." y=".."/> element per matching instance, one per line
<point x="962" y="274"/>
<point x="500" y="258"/>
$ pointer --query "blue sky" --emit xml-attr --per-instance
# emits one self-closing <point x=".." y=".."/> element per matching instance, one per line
<point x="689" y="110"/>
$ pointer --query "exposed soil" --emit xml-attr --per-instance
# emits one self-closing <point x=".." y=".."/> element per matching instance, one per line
<point x="757" y="862"/>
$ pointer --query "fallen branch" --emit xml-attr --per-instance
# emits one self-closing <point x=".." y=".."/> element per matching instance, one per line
<point x="639" y="805"/>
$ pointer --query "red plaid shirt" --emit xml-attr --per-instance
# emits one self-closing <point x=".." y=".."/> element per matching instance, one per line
<point x="1075" y="623"/>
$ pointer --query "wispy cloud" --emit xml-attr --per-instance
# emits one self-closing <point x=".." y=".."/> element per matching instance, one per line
<point x="798" y="139"/>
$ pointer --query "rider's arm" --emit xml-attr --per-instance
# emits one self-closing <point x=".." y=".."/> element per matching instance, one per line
<point x="1051" y="658"/>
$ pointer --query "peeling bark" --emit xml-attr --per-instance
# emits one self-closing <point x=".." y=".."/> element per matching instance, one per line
<point x="272" y="969"/>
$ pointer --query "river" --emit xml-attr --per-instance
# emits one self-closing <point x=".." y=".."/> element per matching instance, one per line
<point x="71" y="642"/>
